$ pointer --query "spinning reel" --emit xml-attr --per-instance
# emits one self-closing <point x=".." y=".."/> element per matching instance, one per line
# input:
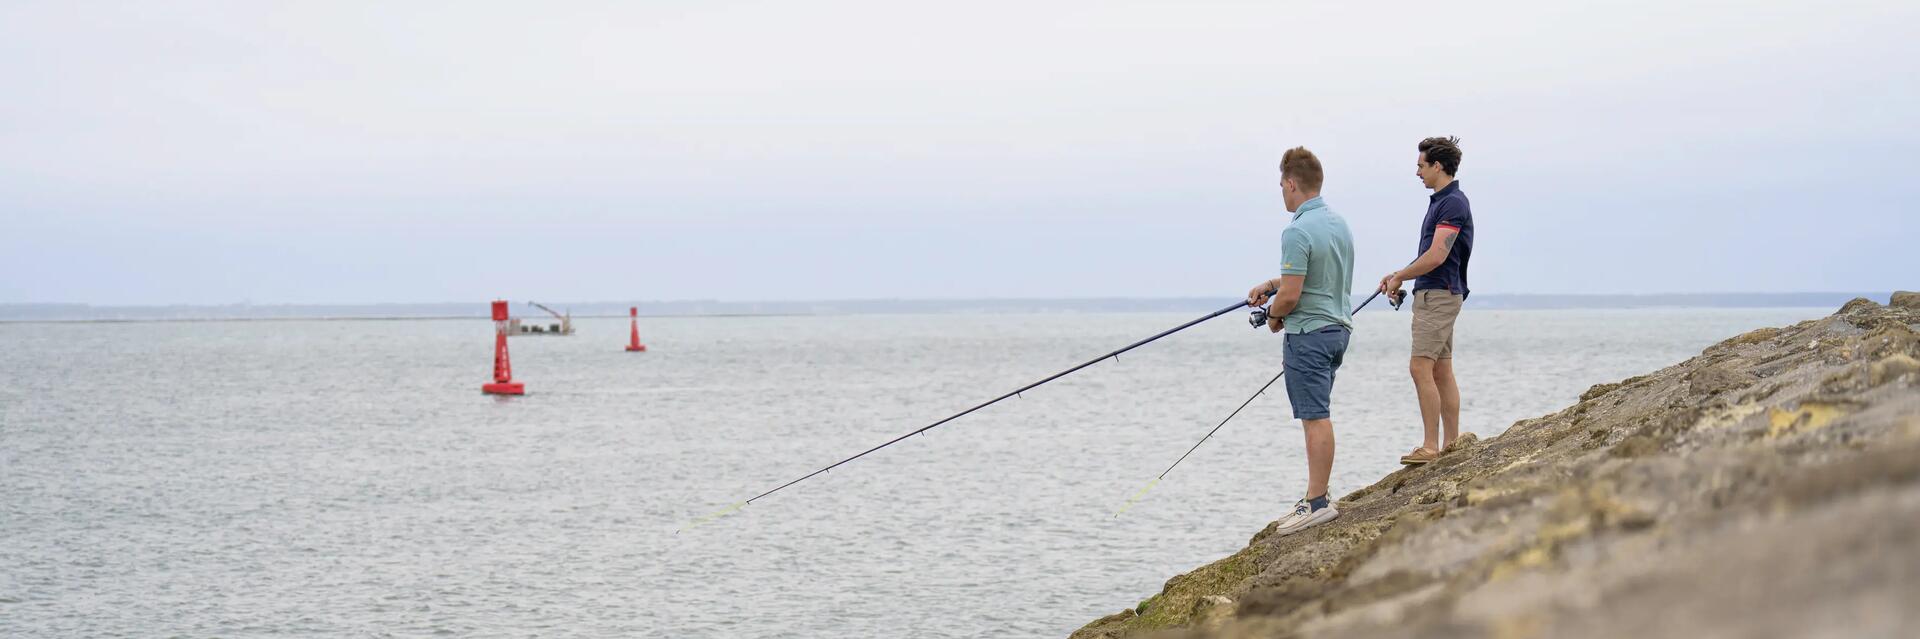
<point x="1258" y="318"/>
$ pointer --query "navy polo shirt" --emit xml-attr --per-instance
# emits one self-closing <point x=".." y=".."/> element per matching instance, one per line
<point x="1448" y="207"/>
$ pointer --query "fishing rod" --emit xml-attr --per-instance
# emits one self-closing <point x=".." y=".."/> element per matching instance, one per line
<point x="1015" y="393"/>
<point x="1259" y="317"/>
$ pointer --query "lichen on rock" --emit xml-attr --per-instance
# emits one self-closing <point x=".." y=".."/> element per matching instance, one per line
<point x="1784" y="460"/>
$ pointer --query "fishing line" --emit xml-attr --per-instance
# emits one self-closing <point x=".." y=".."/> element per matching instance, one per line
<point x="1259" y="317"/>
<point x="1016" y="392"/>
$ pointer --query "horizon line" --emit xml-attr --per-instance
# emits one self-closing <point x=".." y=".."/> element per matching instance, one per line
<point x="847" y="300"/>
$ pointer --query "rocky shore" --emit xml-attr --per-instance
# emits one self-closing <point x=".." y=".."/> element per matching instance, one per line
<point x="1768" y="487"/>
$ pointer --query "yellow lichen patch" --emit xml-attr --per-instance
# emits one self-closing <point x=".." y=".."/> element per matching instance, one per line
<point x="1530" y="559"/>
<point x="1809" y="416"/>
<point x="1175" y="604"/>
<point x="1729" y="416"/>
<point x="1528" y="459"/>
<point x="1562" y="531"/>
<point x="1575" y="514"/>
<point x="1520" y="627"/>
<point x="1891" y="368"/>
<point x="1479" y="495"/>
<point x="1754" y="337"/>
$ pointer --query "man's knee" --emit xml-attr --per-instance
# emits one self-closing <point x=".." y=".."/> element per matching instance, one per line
<point x="1421" y="368"/>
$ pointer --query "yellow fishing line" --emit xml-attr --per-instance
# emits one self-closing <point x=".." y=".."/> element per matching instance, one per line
<point x="722" y="513"/>
<point x="1136" y="497"/>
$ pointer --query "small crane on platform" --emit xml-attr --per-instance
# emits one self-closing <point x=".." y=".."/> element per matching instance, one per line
<point x="564" y="327"/>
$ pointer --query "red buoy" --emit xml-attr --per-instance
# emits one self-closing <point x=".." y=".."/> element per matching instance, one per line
<point x="503" y="383"/>
<point x="635" y="346"/>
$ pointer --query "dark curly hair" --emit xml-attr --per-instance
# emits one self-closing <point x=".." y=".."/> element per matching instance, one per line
<point x="1445" y="150"/>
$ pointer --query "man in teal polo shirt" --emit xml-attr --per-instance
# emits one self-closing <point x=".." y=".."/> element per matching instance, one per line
<point x="1310" y="304"/>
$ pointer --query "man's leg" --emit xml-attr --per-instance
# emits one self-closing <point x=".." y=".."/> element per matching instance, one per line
<point x="1425" y="384"/>
<point x="1312" y="359"/>
<point x="1449" y="390"/>
<point x="1427" y="347"/>
<point x="1319" y="455"/>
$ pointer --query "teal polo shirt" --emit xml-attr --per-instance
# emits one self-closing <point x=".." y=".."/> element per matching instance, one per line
<point x="1318" y="245"/>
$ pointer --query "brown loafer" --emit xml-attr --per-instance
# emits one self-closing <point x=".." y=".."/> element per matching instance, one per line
<point x="1419" y="456"/>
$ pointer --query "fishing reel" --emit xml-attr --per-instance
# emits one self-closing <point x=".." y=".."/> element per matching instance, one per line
<point x="1258" y="318"/>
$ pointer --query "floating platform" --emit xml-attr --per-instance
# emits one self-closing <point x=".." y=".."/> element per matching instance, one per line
<point x="516" y="328"/>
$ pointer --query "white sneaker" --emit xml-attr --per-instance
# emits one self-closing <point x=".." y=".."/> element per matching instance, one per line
<point x="1304" y="517"/>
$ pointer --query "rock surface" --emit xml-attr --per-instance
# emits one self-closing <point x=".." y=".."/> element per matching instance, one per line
<point x="1768" y="487"/>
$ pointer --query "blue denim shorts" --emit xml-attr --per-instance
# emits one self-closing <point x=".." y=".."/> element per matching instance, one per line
<point x="1311" y="361"/>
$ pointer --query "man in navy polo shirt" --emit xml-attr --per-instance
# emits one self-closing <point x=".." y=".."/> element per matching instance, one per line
<point x="1439" y="289"/>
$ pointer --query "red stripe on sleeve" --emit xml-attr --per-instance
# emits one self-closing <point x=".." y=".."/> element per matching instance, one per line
<point x="1455" y="229"/>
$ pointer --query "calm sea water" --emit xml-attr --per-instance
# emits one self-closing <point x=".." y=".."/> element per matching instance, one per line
<point x="348" y="478"/>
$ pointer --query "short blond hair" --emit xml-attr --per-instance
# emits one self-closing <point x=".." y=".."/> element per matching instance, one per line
<point x="1303" y="168"/>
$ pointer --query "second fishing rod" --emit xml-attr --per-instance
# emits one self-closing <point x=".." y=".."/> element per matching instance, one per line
<point x="1258" y="318"/>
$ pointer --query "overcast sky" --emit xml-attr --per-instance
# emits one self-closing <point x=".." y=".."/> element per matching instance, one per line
<point x="339" y="152"/>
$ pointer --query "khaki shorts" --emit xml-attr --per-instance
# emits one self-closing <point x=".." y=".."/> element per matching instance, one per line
<point x="1433" y="313"/>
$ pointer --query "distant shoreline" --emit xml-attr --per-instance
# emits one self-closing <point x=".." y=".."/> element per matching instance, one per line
<point x="368" y="318"/>
<point x="86" y="313"/>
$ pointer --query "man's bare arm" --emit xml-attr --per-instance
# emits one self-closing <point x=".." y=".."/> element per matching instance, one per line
<point x="1443" y="238"/>
<point x="1288" y="296"/>
<point x="1436" y="254"/>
